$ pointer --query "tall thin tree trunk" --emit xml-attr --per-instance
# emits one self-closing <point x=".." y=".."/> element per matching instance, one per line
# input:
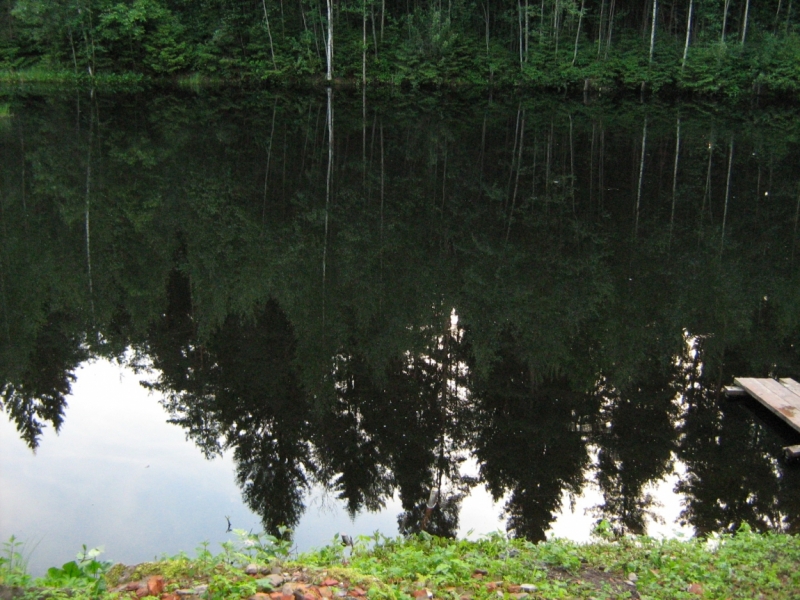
<point x="610" y="26"/>
<point x="87" y="206"/>
<point x="374" y="33"/>
<point x="641" y="178"/>
<point x="725" y="19"/>
<point x="727" y="194"/>
<point x="746" y="16"/>
<point x="707" y="189"/>
<point x="516" y="182"/>
<point x="653" y="30"/>
<point x="364" y="45"/>
<point x="578" y="34"/>
<point x="329" y="42"/>
<point x="675" y="178"/>
<point x="527" y="30"/>
<point x="269" y="34"/>
<point x="266" y="173"/>
<point x="688" y="34"/>
<point x="600" y="27"/>
<point x="74" y="56"/>
<point x="794" y="237"/>
<point x="541" y="24"/>
<point x="571" y="166"/>
<point x="521" y="34"/>
<point x="382" y="204"/>
<point x="328" y="186"/>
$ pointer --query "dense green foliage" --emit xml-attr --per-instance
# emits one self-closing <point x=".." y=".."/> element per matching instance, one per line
<point x="733" y="48"/>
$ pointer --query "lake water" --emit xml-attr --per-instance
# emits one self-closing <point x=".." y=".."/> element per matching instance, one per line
<point x="312" y="309"/>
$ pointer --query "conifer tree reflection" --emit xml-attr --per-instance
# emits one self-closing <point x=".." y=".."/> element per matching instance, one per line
<point x="733" y="473"/>
<point x="401" y="429"/>
<point x="637" y="447"/>
<point x="36" y="392"/>
<point x="526" y="443"/>
<point x="239" y="391"/>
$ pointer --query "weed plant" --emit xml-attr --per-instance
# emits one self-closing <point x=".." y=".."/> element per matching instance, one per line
<point x="743" y="565"/>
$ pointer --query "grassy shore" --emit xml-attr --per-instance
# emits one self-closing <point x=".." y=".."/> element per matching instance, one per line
<point x="745" y="565"/>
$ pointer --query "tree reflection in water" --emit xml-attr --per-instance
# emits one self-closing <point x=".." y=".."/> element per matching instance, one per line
<point x="590" y="341"/>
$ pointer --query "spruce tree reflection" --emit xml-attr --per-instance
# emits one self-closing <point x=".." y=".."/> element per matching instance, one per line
<point x="401" y="429"/>
<point x="733" y="472"/>
<point x="637" y="447"/>
<point x="239" y="391"/>
<point x="525" y="443"/>
<point x="36" y="391"/>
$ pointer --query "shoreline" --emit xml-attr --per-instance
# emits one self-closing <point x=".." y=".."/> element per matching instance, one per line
<point x="259" y="567"/>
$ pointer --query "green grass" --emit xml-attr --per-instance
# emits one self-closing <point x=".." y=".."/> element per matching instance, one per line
<point x="745" y="565"/>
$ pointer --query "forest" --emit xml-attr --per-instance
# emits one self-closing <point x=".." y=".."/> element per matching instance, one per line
<point x="723" y="48"/>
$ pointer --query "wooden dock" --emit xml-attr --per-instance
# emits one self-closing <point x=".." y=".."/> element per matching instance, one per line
<point x="781" y="397"/>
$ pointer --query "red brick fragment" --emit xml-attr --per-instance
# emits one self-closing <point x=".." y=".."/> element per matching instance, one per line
<point x="330" y="581"/>
<point x="357" y="592"/>
<point x="155" y="585"/>
<point x="696" y="589"/>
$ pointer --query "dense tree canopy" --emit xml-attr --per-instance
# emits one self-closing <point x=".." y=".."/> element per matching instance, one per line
<point x="713" y="46"/>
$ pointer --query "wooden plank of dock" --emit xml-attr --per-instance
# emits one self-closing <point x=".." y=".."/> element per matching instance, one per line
<point x="782" y="398"/>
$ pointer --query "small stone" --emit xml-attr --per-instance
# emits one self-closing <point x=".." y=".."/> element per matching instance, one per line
<point x="528" y="587"/>
<point x="169" y="597"/>
<point x="251" y="569"/>
<point x="423" y="593"/>
<point x="499" y="593"/>
<point x="341" y="593"/>
<point x="325" y="591"/>
<point x="155" y="585"/>
<point x="357" y="592"/>
<point x="185" y="592"/>
<point x="132" y="586"/>
<point x="633" y="577"/>
<point x="696" y="589"/>
<point x="480" y="572"/>
<point x="200" y="589"/>
<point x="514" y="589"/>
<point x="330" y="581"/>
<point x="491" y="586"/>
<point x="287" y="589"/>
<point x="274" y="580"/>
<point x="276" y="595"/>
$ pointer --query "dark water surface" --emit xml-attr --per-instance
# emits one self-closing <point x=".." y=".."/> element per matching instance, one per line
<point x="376" y="297"/>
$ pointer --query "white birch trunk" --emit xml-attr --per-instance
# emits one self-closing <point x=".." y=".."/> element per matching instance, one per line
<point x="269" y="34"/>
<point x="688" y="34"/>
<point x="746" y="16"/>
<point x="578" y="34"/>
<point x="653" y="30"/>
<point x="329" y="42"/>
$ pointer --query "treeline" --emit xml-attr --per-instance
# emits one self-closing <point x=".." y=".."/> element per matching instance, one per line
<point x="729" y="47"/>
